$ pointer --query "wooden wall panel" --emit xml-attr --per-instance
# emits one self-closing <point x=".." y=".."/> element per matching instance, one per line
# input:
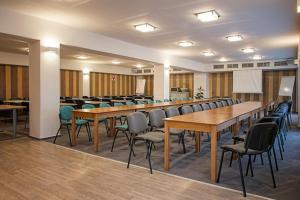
<point x="149" y="85"/>
<point x="14" y="81"/>
<point x="69" y="83"/>
<point x="221" y="85"/>
<point x="183" y="81"/>
<point x="105" y="84"/>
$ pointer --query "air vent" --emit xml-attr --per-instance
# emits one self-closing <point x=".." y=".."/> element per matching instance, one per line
<point x="137" y="71"/>
<point x="147" y="71"/>
<point x="176" y="70"/>
<point x="280" y="63"/>
<point x="218" y="66"/>
<point x="247" y="65"/>
<point x="233" y="66"/>
<point x="263" y="64"/>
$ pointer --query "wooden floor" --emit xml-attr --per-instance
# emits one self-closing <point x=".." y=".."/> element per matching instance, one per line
<point x="31" y="169"/>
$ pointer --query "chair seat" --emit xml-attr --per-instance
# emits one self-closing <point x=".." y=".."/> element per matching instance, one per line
<point x="100" y="120"/>
<point x="122" y="127"/>
<point x="155" y="136"/>
<point x="240" y="148"/>
<point x="172" y="131"/>
<point x="78" y="122"/>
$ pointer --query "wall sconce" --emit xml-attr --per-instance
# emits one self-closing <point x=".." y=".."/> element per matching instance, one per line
<point x="86" y="71"/>
<point x="50" y="44"/>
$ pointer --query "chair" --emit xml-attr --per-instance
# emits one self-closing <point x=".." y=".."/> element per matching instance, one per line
<point x="260" y="139"/>
<point x="26" y="112"/>
<point x="65" y="116"/>
<point x="186" y="110"/>
<point x="166" y="100"/>
<point x="212" y="105"/>
<point x="158" y="101"/>
<point x="205" y="106"/>
<point x="197" y="108"/>
<point x="229" y="102"/>
<point x="157" y="117"/>
<point x="219" y="104"/>
<point x="130" y="103"/>
<point x="138" y="126"/>
<point x="224" y="103"/>
<point x="104" y="120"/>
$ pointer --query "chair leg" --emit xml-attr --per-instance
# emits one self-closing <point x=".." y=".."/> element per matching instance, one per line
<point x="56" y="134"/>
<point x="69" y="135"/>
<point x="113" y="144"/>
<point x="271" y="169"/>
<point x="88" y="132"/>
<point x="275" y="158"/>
<point x="131" y="149"/>
<point x="149" y="155"/>
<point x="242" y="175"/>
<point x="279" y="146"/>
<point x="183" y="143"/>
<point x="231" y="158"/>
<point x="88" y="125"/>
<point x="220" y="166"/>
<point x="78" y="130"/>
<point x="261" y="159"/>
<point x="249" y="165"/>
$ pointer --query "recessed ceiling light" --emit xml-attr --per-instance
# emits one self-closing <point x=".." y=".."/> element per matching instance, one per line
<point x="145" y="27"/>
<point x="208" y="16"/>
<point x="82" y="57"/>
<point x="115" y="62"/>
<point x="208" y="53"/>
<point x="234" y="38"/>
<point x="257" y="57"/>
<point x="248" y="50"/>
<point x="139" y="66"/>
<point x="185" y="43"/>
<point x="223" y="59"/>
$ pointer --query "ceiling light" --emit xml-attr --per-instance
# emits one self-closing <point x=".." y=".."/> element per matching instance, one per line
<point x="82" y="57"/>
<point x="139" y="66"/>
<point x="185" y="44"/>
<point x="208" y="16"/>
<point x="208" y="53"/>
<point x="257" y="57"/>
<point x="115" y="62"/>
<point x="145" y="27"/>
<point x="298" y="9"/>
<point x="248" y="50"/>
<point x="234" y="38"/>
<point x="223" y="59"/>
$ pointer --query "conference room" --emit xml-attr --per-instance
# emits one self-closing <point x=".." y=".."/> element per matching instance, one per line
<point x="102" y="106"/>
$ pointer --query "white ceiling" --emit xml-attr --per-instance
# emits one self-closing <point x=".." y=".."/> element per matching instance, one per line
<point x="270" y="26"/>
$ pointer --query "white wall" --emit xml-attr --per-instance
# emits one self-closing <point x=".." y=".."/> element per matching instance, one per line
<point x="201" y="79"/>
<point x="13" y="59"/>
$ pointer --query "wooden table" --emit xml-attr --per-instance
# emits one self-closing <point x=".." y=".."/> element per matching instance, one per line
<point x="112" y="112"/>
<point x="14" y="111"/>
<point x="15" y="101"/>
<point x="211" y="121"/>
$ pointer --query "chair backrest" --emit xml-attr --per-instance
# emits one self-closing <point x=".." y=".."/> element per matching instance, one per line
<point x="172" y="111"/>
<point x="205" y="106"/>
<point x="65" y="113"/>
<point x="140" y="102"/>
<point x="276" y="120"/>
<point x="137" y="122"/>
<point x="186" y="109"/>
<point x="104" y="105"/>
<point x="88" y="106"/>
<point x="219" y="104"/>
<point x="130" y="103"/>
<point x="261" y="136"/>
<point x="166" y="100"/>
<point x="229" y="102"/>
<point x="197" y="108"/>
<point x="158" y="101"/>
<point x="118" y="104"/>
<point x="224" y="103"/>
<point x="238" y="100"/>
<point x="157" y="117"/>
<point x="212" y="105"/>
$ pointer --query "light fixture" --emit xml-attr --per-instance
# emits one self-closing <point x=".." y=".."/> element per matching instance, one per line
<point x="248" y="50"/>
<point x="208" y="16"/>
<point x="298" y="9"/>
<point x="145" y="27"/>
<point x="208" y="53"/>
<point x="139" y="66"/>
<point x="50" y="44"/>
<point x="185" y="43"/>
<point x="257" y="57"/>
<point x="115" y="62"/>
<point x="85" y="71"/>
<point x="223" y="59"/>
<point x="82" y="57"/>
<point x="234" y="38"/>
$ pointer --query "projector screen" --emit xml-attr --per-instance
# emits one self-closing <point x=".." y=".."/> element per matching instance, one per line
<point x="247" y="81"/>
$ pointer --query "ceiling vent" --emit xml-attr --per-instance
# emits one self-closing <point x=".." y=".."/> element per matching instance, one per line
<point x="281" y="63"/>
<point x="247" y="65"/>
<point x="263" y="64"/>
<point x="176" y="70"/>
<point x="137" y="71"/>
<point x="147" y="71"/>
<point x="218" y="66"/>
<point x="232" y="66"/>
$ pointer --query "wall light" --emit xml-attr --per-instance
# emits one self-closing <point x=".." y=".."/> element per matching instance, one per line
<point x="145" y="27"/>
<point x="298" y="9"/>
<point x="82" y="57"/>
<point x="50" y="44"/>
<point x="234" y="38"/>
<point x="86" y="71"/>
<point x="208" y="16"/>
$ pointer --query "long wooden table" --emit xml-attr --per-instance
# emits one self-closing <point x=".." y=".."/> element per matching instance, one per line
<point x="111" y="112"/>
<point x="211" y="121"/>
<point x="14" y="111"/>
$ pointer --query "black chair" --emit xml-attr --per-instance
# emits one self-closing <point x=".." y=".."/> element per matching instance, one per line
<point x="260" y="139"/>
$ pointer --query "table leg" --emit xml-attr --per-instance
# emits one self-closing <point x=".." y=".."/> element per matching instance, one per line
<point x="236" y="129"/>
<point x="14" y="122"/>
<point x="112" y="129"/>
<point x="197" y="142"/>
<point x="213" y="155"/>
<point x="73" y="132"/>
<point x="250" y="121"/>
<point x="96" y="134"/>
<point x="166" y="147"/>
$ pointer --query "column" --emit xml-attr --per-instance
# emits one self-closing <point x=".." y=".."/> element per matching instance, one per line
<point x="201" y="79"/>
<point x="44" y="88"/>
<point x="86" y="82"/>
<point x="161" y="88"/>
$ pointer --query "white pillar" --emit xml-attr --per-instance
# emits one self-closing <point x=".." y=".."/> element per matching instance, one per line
<point x="44" y="88"/>
<point x="201" y="79"/>
<point x="161" y="88"/>
<point x="85" y="84"/>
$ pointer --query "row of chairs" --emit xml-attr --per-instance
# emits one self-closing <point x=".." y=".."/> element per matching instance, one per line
<point x="260" y="139"/>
